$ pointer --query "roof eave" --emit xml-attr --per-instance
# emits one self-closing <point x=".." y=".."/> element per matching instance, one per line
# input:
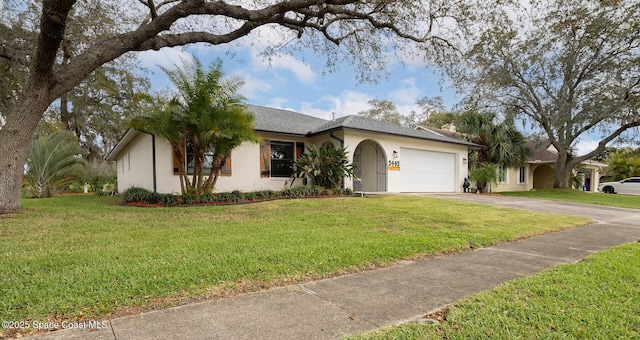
<point x="470" y="145"/>
<point x="292" y="134"/>
<point x="122" y="144"/>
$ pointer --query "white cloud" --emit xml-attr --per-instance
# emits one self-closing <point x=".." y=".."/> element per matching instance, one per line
<point x="166" y="57"/>
<point x="585" y="146"/>
<point x="253" y="86"/>
<point x="300" y="70"/>
<point x="408" y="93"/>
<point x="279" y="102"/>
<point x="347" y="103"/>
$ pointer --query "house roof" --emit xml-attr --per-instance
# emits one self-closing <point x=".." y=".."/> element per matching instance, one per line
<point x="371" y="125"/>
<point x="445" y="132"/>
<point x="122" y="144"/>
<point x="268" y="119"/>
<point x="289" y="122"/>
<point x="542" y="152"/>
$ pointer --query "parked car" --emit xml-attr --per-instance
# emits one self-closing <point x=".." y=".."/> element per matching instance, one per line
<point x="626" y="186"/>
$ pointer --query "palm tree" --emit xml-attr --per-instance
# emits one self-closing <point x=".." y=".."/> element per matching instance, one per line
<point x="54" y="161"/>
<point x="208" y="112"/>
<point x="168" y="124"/>
<point x="503" y="146"/>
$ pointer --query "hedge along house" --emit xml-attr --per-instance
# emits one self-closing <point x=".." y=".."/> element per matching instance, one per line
<point x="388" y="158"/>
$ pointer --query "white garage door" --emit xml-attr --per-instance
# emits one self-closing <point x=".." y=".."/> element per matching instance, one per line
<point x="427" y="171"/>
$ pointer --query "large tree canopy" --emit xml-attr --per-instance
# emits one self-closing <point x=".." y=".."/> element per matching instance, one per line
<point x="571" y="67"/>
<point x="356" y="30"/>
<point x="97" y="109"/>
<point x="386" y="111"/>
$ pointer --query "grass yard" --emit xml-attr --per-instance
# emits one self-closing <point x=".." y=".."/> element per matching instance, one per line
<point x="597" y="298"/>
<point x="84" y="256"/>
<point x="569" y="195"/>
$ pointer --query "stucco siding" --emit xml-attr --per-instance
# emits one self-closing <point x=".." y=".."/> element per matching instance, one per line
<point x="512" y="181"/>
<point x="166" y="181"/>
<point x="134" y="164"/>
<point x="391" y="143"/>
<point x="135" y="161"/>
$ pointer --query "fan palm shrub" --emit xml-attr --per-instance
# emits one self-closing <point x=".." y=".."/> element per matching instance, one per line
<point x="502" y="146"/>
<point x="326" y="166"/>
<point x="54" y="161"/>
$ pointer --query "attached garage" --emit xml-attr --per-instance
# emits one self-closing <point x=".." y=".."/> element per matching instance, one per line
<point x="427" y="171"/>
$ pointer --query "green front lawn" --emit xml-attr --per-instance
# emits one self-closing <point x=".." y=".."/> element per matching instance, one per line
<point x="569" y="195"/>
<point x="597" y="298"/>
<point x="81" y="256"/>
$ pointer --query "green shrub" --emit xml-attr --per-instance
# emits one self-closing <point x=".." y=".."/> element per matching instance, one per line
<point x="136" y="194"/>
<point x="190" y="198"/>
<point x="250" y="196"/>
<point x="484" y="175"/>
<point x="236" y="196"/>
<point x="287" y="193"/>
<point x="265" y="194"/>
<point x="326" y="166"/>
<point x="154" y="198"/>
<point x="169" y="199"/>
<point x="207" y="197"/>
<point x="100" y="182"/>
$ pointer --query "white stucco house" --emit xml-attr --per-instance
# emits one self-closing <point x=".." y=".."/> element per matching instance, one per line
<point x="388" y="158"/>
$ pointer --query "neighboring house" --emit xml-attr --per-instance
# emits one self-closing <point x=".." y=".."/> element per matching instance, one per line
<point x="537" y="173"/>
<point x="387" y="157"/>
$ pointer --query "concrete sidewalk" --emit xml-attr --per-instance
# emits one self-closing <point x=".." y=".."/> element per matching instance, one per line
<point x="331" y="308"/>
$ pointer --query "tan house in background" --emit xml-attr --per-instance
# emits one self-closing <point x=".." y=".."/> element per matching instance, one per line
<point x="387" y="157"/>
<point x="537" y="173"/>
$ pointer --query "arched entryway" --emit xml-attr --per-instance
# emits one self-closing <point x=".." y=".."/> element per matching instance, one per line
<point x="370" y="167"/>
<point x="543" y="177"/>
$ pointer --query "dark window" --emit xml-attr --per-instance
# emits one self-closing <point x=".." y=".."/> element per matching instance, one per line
<point x="633" y="180"/>
<point x="282" y="158"/>
<point x="208" y="159"/>
<point x="522" y="175"/>
<point x="502" y="174"/>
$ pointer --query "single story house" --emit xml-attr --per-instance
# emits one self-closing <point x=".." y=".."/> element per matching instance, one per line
<point x="388" y="158"/>
<point x="537" y="172"/>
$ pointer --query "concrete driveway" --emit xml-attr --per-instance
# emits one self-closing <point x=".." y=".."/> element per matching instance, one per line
<point x="598" y="213"/>
<point x="329" y="309"/>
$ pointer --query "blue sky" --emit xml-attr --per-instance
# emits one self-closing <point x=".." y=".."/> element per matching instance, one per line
<point x="301" y="83"/>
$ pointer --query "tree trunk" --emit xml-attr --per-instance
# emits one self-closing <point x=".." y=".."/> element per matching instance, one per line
<point x="214" y="173"/>
<point x="15" y="140"/>
<point x="562" y="171"/>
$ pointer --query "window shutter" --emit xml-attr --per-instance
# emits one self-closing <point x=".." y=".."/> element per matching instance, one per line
<point x="299" y="150"/>
<point x="226" y="169"/>
<point x="176" y="164"/>
<point x="265" y="159"/>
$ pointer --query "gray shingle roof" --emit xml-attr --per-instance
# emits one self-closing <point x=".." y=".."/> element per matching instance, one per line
<point x="540" y="152"/>
<point x="372" y="125"/>
<point x="289" y="122"/>
<point x="283" y="121"/>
